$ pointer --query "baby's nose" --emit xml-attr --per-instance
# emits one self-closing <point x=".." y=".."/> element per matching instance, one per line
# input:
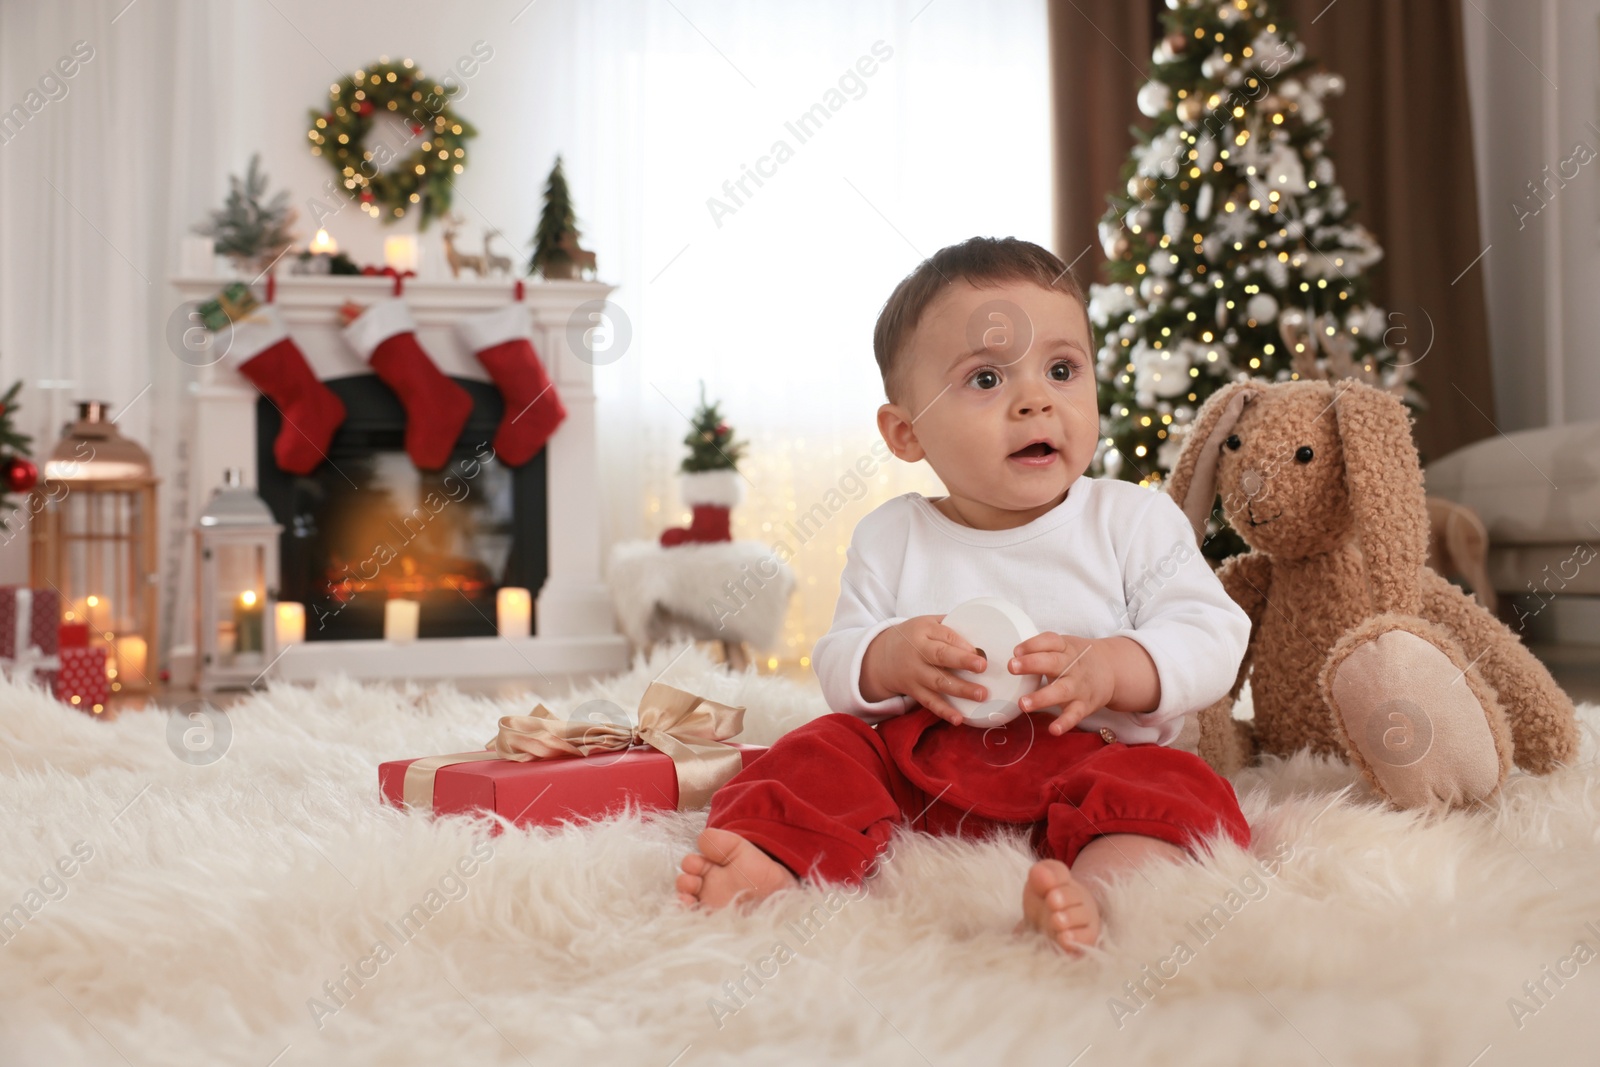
<point x="1251" y="482"/>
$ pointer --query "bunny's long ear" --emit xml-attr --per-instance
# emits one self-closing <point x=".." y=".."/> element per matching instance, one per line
<point x="1387" y="500"/>
<point x="1193" y="483"/>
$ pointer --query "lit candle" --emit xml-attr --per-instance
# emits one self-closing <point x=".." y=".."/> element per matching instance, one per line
<point x="247" y="621"/>
<point x="132" y="654"/>
<point x="514" y="611"/>
<point x="400" y="619"/>
<point x="96" y="611"/>
<point x="291" y="623"/>
<point x="400" y="252"/>
<point x="323" y="243"/>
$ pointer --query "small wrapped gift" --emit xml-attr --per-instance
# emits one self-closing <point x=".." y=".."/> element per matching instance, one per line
<point x="28" y="619"/>
<point x="82" y="680"/>
<point x="29" y="636"/>
<point x="541" y="769"/>
<point x="232" y="305"/>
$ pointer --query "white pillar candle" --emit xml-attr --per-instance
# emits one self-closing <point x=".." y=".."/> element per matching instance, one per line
<point x="514" y="612"/>
<point x="291" y="622"/>
<point x="400" y="619"/>
<point x="132" y="657"/>
<point x="400" y="252"/>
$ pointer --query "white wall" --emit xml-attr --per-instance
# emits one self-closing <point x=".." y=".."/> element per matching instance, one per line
<point x="1534" y="80"/>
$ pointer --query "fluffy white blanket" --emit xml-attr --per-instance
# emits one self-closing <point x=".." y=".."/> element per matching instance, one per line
<point x="250" y="911"/>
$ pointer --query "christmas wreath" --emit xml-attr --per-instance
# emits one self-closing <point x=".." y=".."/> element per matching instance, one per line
<point x="390" y="180"/>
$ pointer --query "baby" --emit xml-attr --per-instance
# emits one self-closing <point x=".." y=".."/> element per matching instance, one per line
<point x="987" y="363"/>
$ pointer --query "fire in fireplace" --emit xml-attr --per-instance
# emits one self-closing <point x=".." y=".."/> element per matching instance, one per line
<point x="367" y="526"/>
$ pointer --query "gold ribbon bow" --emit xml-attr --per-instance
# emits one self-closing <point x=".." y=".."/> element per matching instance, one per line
<point x="689" y="729"/>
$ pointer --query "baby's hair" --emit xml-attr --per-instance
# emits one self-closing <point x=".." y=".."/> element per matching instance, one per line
<point x="980" y="261"/>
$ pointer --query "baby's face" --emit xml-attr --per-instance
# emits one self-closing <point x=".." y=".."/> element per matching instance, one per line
<point x="992" y="371"/>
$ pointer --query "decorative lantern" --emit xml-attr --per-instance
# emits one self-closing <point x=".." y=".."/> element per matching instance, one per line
<point x="237" y="548"/>
<point x="94" y="540"/>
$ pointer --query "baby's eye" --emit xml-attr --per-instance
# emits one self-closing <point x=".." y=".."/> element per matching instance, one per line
<point x="985" y="379"/>
<point x="1062" y="370"/>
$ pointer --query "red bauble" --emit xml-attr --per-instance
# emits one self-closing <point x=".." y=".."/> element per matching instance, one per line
<point x="20" y="474"/>
<point x="366" y="196"/>
<point x="364" y="108"/>
<point x="722" y="428"/>
<point x="416" y="127"/>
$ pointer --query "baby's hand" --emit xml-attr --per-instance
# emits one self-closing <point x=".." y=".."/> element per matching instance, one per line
<point x="1079" y="676"/>
<point x="918" y="658"/>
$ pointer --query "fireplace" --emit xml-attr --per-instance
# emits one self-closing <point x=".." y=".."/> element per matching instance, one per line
<point x="541" y="525"/>
<point x="366" y="525"/>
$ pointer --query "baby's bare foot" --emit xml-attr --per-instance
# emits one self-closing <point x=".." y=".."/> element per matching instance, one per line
<point x="728" y="868"/>
<point x="1059" y="906"/>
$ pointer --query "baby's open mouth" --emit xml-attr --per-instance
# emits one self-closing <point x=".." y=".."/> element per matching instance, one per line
<point x="1037" y="450"/>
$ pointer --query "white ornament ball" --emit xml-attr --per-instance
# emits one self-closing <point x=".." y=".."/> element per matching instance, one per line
<point x="1262" y="307"/>
<point x="1154" y="98"/>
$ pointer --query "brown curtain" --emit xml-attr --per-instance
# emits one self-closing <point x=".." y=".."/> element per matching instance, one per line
<point x="1099" y="56"/>
<point x="1401" y="145"/>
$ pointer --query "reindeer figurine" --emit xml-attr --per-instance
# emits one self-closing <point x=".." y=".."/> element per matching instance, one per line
<point x="460" y="259"/>
<point x="582" y="259"/>
<point x="494" y="264"/>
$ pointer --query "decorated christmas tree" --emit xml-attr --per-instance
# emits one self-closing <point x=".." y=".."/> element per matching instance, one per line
<point x="17" y="472"/>
<point x="549" y="256"/>
<point x="710" y="440"/>
<point x="249" y="229"/>
<point x="1233" y="252"/>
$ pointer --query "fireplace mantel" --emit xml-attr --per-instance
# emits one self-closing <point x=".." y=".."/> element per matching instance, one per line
<point x="575" y="628"/>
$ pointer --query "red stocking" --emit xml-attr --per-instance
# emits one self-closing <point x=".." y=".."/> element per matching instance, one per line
<point x="437" y="408"/>
<point x="533" y="407"/>
<point x="264" y="352"/>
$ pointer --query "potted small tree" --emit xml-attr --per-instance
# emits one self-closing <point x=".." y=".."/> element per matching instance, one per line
<point x="708" y="479"/>
<point x="556" y="254"/>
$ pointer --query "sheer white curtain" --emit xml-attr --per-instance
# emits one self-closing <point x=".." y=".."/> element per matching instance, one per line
<point x="97" y="188"/>
<point x="770" y="294"/>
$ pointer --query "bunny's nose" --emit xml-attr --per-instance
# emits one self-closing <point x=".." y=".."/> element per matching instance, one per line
<point x="1251" y="482"/>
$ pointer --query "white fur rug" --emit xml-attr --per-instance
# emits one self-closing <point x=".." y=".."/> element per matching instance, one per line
<point x="216" y="901"/>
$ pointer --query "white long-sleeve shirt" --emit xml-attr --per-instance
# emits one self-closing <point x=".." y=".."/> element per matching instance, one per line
<point x="1111" y="559"/>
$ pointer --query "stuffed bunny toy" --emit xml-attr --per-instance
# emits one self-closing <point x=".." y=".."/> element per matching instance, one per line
<point x="1356" y="648"/>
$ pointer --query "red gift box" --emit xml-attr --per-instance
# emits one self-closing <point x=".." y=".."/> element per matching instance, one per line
<point x="82" y="679"/>
<point x="28" y="619"/>
<point x="74" y="635"/>
<point x="550" y="791"/>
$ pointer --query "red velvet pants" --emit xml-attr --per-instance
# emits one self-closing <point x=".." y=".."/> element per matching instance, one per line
<point x="824" y="800"/>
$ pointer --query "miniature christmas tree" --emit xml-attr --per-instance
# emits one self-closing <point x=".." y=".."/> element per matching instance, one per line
<point x="246" y="230"/>
<point x="1233" y="253"/>
<point x="550" y="253"/>
<point x="710" y="441"/>
<point x="17" y="473"/>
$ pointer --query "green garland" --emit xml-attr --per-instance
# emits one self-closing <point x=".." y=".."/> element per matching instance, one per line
<point x="423" y="179"/>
